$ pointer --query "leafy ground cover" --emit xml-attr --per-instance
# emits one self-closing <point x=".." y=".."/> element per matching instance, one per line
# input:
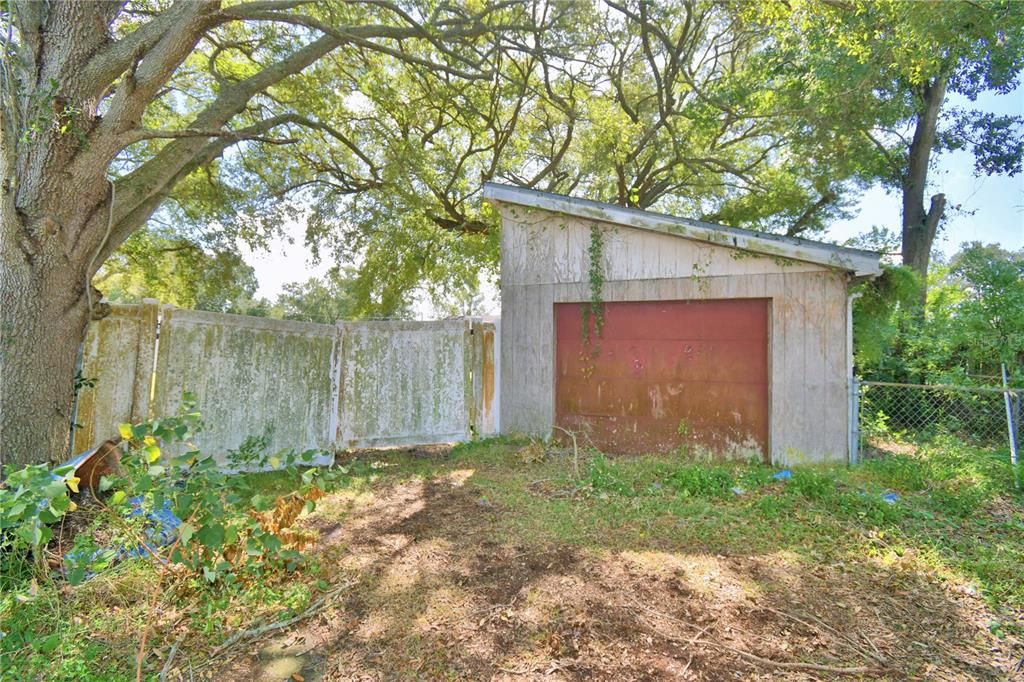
<point x="491" y="560"/>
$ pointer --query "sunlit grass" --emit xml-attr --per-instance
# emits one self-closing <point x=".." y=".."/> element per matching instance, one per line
<point x="955" y="517"/>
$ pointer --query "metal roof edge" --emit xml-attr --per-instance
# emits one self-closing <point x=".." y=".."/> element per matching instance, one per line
<point x="857" y="261"/>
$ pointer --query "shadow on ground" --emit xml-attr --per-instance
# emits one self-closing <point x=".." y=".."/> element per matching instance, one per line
<point x="438" y="595"/>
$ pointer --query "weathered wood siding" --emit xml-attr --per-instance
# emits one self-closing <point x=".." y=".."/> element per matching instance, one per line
<point x="544" y="260"/>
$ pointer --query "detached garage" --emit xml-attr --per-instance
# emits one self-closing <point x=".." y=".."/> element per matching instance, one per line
<point x="648" y="332"/>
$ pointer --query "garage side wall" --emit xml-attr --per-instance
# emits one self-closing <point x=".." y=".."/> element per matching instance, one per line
<point x="544" y="260"/>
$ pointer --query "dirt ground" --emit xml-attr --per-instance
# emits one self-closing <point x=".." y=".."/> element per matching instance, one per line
<point x="429" y="592"/>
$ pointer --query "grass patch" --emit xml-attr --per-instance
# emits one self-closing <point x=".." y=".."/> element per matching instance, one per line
<point x="55" y="631"/>
<point x="952" y="507"/>
<point x="948" y="512"/>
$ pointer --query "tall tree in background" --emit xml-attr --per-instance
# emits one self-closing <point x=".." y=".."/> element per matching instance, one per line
<point x="975" y="319"/>
<point x="883" y="70"/>
<point x="671" y="106"/>
<point x="108" y="106"/>
<point x="175" y="270"/>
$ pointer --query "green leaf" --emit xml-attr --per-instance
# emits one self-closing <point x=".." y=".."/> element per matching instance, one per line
<point x="61" y="504"/>
<point x="212" y="535"/>
<point x="28" y="534"/>
<point x="55" y="489"/>
<point x="156" y="471"/>
<point x="105" y="483"/>
<point x="140" y="431"/>
<point x="46" y="645"/>
<point x="152" y="453"/>
<point x="118" y="497"/>
<point x="185" y="532"/>
<point x="271" y="542"/>
<point x="76" y="576"/>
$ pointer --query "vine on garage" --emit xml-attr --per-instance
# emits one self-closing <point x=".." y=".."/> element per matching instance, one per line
<point x="593" y="312"/>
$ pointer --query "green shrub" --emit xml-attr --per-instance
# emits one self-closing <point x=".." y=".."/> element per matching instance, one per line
<point x="228" y="528"/>
<point x="695" y="480"/>
<point x="33" y="498"/>
<point x="812" y="484"/>
<point x="603" y="475"/>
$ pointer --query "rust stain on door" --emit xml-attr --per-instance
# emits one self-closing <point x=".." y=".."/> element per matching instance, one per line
<point x="666" y="374"/>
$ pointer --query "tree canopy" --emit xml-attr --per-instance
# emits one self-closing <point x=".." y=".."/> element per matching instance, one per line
<point x="373" y="123"/>
<point x="772" y="117"/>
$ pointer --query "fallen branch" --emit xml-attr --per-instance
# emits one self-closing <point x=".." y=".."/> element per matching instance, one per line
<point x="170" y="658"/>
<point x="252" y="633"/>
<point x="784" y="665"/>
<point x="856" y="670"/>
<point x="877" y="657"/>
<point x="539" y="667"/>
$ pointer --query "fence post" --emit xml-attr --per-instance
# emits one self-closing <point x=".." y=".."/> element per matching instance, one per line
<point x="473" y="355"/>
<point x="145" y="364"/>
<point x="854" y="426"/>
<point x="1010" y="430"/>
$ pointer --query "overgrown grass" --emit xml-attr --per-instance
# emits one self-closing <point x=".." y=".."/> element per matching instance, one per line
<point x="955" y="516"/>
<point x="951" y="507"/>
<point x="55" y="631"/>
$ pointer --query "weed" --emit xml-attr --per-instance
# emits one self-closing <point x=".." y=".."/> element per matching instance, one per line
<point x="604" y="475"/>
<point x="812" y="484"/>
<point x="697" y="480"/>
<point x="488" y="449"/>
<point x="956" y="518"/>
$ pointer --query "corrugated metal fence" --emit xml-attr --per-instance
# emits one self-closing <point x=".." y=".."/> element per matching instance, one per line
<point x="300" y="385"/>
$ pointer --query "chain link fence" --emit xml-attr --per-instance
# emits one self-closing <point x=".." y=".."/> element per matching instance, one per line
<point x="988" y="417"/>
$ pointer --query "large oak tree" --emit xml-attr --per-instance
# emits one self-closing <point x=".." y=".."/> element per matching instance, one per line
<point x="108" y="106"/>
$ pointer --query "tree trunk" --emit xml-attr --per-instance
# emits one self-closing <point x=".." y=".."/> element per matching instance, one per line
<point x="43" y="317"/>
<point x="919" y="225"/>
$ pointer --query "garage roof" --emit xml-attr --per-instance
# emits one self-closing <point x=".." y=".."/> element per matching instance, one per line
<point x="859" y="262"/>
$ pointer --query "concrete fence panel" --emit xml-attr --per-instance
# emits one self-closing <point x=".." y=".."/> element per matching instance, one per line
<point x="118" y="357"/>
<point x="300" y="385"/>
<point x="403" y="383"/>
<point x="250" y="376"/>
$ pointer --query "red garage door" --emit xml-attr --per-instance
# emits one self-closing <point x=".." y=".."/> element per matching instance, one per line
<point x="664" y="374"/>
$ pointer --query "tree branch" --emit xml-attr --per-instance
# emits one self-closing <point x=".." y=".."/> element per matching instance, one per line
<point x="139" y="134"/>
<point x="117" y="57"/>
<point x="155" y="177"/>
<point x="805" y="218"/>
<point x="361" y="36"/>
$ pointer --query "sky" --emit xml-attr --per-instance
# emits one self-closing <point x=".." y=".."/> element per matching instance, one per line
<point x="992" y="208"/>
<point x="991" y="211"/>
